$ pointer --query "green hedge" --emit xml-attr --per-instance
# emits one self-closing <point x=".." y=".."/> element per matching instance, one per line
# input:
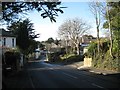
<point x="92" y="49"/>
<point x="69" y="58"/>
<point x="75" y="58"/>
<point x="11" y="58"/>
<point x="103" y="60"/>
<point x="54" y="57"/>
<point x="106" y="62"/>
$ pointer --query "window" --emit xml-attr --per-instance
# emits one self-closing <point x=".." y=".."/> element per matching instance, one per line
<point x="13" y="42"/>
<point x="4" y="41"/>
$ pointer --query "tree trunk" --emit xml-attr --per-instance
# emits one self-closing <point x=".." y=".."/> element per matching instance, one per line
<point x="98" y="39"/>
<point x="111" y="42"/>
<point x="66" y="47"/>
<point x="77" y="47"/>
<point x="109" y="24"/>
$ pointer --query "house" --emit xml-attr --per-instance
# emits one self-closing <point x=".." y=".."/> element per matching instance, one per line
<point x="7" y="40"/>
<point x="85" y="41"/>
<point x="37" y="53"/>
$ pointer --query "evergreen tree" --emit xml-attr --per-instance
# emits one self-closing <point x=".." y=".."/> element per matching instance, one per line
<point x="24" y="34"/>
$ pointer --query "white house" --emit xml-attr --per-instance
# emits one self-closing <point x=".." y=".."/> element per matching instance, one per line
<point x="7" y="40"/>
<point x="37" y="53"/>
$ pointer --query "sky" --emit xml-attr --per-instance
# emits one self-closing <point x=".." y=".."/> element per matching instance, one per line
<point x="47" y="29"/>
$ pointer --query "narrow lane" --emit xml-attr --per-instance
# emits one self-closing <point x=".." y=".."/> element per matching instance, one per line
<point x="101" y="81"/>
<point x="55" y="79"/>
<point x="64" y="77"/>
<point x="38" y="74"/>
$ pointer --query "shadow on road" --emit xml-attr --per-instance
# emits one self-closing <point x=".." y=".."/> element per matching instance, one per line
<point x="117" y="75"/>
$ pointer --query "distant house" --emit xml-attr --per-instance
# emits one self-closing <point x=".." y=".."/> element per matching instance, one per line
<point x="7" y="40"/>
<point x="37" y="53"/>
<point x="85" y="41"/>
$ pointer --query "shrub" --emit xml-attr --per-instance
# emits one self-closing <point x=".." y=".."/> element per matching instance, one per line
<point x="63" y="51"/>
<point x="75" y="58"/>
<point x="111" y="63"/>
<point x="11" y="58"/>
<point x="70" y="58"/>
<point x="104" y="46"/>
<point x="105" y="61"/>
<point x="92" y="49"/>
<point x="97" y="60"/>
<point x="54" y="57"/>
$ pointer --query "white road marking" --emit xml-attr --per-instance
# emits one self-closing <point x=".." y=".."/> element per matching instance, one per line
<point x="97" y="85"/>
<point x="70" y="75"/>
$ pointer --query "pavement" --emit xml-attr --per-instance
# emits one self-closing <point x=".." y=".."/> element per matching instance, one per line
<point x="110" y="75"/>
<point x="80" y="66"/>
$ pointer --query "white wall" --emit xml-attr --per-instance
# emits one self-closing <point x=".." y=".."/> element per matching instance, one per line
<point x="9" y="41"/>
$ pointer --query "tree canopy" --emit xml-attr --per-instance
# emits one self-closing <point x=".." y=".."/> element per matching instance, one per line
<point x="114" y="19"/>
<point x="11" y="10"/>
<point x="96" y="9"/>
<point x="50" y="40"/>
<point x="73" y="29"/>
<point x="25" y="34"/>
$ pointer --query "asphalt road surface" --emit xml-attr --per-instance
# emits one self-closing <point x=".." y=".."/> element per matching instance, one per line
<point x="38" y="74"/>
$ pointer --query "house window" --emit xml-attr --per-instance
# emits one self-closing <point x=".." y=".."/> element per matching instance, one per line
<point x="4" y="41"/>
<point x="13" y="42"/>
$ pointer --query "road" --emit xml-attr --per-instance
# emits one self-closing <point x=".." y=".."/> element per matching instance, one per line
<point x="38" y="74"/>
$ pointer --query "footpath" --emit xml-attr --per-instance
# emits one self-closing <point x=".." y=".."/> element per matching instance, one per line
<point x="108" y="75"/>
<point x="80" y="66"/>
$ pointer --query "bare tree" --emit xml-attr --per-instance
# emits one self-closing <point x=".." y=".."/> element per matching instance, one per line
<point x="96" y="8"/>
<point x="102" y="9"/>
<point x="73" y="29"/>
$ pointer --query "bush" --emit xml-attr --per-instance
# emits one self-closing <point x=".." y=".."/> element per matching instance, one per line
<point x="11" y="58"/>
<point x="92" y="49"/>
<point x="105" y="61"/>
<point x="75" y="58"/>
<point x="71" y="58"/>
<point x="65" y="56"/>
<point x="104" y="46"/>
<point x="111" y="63"/>
<point x="97" y="60"/>
<point x="63" y="51"/>
<point x="54" y="57"/>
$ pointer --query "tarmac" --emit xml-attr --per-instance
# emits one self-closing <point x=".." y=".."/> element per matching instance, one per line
<point x="113" y="75"/>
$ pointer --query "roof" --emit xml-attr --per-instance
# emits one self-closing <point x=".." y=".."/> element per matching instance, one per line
<point x="5" y="33"/>
<point x="84" y="45"/>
